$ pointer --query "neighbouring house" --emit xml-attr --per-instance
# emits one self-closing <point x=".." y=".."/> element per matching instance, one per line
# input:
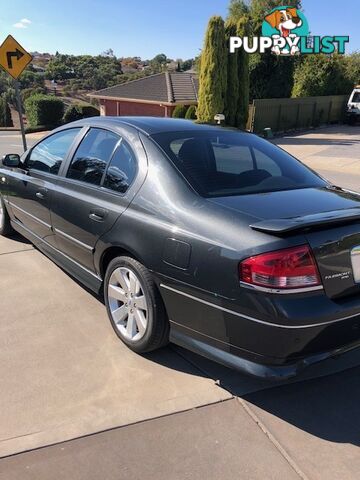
<point x="156" y="95"/>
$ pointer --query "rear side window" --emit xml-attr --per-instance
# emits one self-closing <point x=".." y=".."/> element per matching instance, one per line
<point x="264" y="162"/>
<point x="219" y="163"/>
<point x="356" y="97"/>
<point x="227" y="156"/>
<point x="92" y="156"/>
<point x="122" y="169"/>
<point x="49" y="154"/>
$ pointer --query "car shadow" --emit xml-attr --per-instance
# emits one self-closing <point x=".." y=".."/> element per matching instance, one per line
<point x="314" y="141"/>
<point x="327" y="407"/>
<point x="323" y="136"/>
<point x="16" y="237"/>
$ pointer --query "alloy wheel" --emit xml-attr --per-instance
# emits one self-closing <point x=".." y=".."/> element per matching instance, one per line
<point x="128" y="305"/>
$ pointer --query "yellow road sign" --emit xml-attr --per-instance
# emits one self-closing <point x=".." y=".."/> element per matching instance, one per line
<point x="13" y="57"/>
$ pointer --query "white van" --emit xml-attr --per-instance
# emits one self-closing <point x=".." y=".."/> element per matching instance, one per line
<point x="353" y="106"/>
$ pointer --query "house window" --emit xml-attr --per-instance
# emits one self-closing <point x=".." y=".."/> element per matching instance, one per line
<point x="102" y="110"/>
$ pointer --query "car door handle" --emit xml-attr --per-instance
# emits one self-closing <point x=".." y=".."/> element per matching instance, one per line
<point x="98" y="215"/>
<point x="40" y="195"/>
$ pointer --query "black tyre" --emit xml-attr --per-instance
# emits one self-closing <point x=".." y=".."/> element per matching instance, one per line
<point x="134" y="305"/>
<point x="5" y="226"/>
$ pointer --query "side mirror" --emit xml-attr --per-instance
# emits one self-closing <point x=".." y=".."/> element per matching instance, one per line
<point x="11" y="160"/>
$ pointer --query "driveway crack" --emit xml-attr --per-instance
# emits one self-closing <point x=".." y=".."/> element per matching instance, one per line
<point x="273" y="440"/>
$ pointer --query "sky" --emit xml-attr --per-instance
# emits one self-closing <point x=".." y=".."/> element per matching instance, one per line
<point x="144" y="27"/>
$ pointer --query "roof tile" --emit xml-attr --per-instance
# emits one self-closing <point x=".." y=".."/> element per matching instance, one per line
<point x="161" y="87"/>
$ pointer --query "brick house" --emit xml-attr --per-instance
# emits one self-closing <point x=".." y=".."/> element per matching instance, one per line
<point x="156" y="95"/>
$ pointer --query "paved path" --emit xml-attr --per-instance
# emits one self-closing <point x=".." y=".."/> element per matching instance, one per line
<point x="333" y="151"/>
<point x="63" y="371"/>
<point x="168" y="415"/>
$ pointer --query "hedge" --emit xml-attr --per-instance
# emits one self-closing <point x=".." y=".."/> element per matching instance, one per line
<point x="5" y="113"/>
<point x="44" y="110"/>
<point x="76" y="111"/>
<point x="191" y="113"/>
<point x="38" y="128"/>
<point x="179" y="111"/>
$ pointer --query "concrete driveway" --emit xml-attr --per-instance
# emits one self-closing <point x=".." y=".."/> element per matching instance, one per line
<point x="65" y="377"/>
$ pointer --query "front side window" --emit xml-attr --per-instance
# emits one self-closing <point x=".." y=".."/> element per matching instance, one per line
<point x="233" y="163"/>
<point x="92" y="156"/>
<point x="49" y="154"/>
<point x="122" y="169"/>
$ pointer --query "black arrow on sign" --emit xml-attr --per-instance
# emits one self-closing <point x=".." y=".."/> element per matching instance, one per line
<point x="9" y="56"/>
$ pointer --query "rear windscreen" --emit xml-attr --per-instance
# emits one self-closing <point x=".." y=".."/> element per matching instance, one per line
<point x="234" y="163"/>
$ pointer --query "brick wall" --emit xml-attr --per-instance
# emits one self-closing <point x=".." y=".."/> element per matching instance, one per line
<point x="112" y="107"/>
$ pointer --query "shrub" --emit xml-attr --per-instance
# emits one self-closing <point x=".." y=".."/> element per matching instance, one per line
<point x="72" y="113"/>
<point x="44" y="110"/>
<point x="179" y="111"/>
<point x="191" y="113"/>
<point x="29" y="92"/>
<point x="38" y="128"/>
<point x="88" y="110"/>
<point x="77" y="111"/>
<point x="5" y="113"/>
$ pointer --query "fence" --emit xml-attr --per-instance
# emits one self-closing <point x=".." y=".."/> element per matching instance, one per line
<point x="285" y="114"/>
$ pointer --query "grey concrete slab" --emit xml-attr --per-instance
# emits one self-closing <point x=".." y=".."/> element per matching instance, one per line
<point x="215" y="442"/>
<point x="63" y="371"/>
<point x="317" y="422"/>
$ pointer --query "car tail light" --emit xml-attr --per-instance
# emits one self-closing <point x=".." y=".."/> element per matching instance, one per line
<point x="281" y="269"/>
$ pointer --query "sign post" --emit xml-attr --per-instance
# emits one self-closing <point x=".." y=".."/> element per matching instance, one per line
<point x="14" y="59"/>
<point x="18" y="101"/>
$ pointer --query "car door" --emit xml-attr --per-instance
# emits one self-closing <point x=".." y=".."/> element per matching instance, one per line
<point x="94" y="192"/>
<point x="31" y="187"/>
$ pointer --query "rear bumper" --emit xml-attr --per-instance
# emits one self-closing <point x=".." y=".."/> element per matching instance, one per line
<point x="251" y="367"/>
<point x="298" y="330"/>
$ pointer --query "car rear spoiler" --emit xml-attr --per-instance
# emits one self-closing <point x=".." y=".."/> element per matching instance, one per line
<point x="284" y="225"/>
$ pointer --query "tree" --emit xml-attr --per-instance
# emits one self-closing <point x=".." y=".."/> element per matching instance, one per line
<point x="187" y="64"/>
<point x="259" y="9"/>
<point x="213" y="72"/>
<point x="158" y="63"/>
<point x="108" y="53"/>
<point x="31" y="79"/>
<point x="321" y="75"/>
<point x="270" y="76"/>
<point x="232" y="91"/>
<point x="352" y="67"/>
<point x="237" y="9"/>
<point x="242" y="110"/>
